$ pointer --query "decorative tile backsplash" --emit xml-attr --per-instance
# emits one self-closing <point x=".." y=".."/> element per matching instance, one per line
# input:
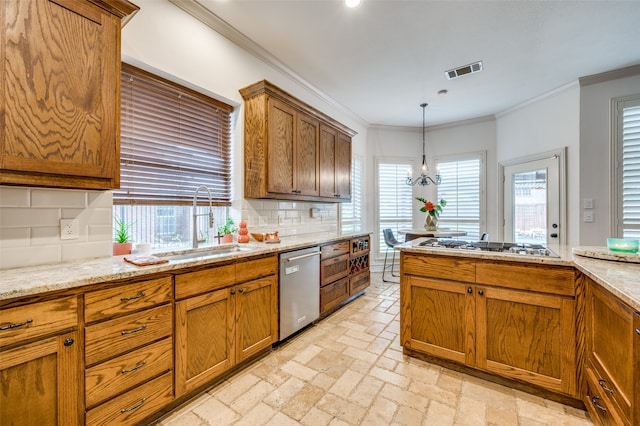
<point x="30" y="225"/>
<point x="289" y="217"/>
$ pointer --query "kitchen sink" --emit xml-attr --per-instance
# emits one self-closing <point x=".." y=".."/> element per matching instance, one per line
<point x="209" y="252"/>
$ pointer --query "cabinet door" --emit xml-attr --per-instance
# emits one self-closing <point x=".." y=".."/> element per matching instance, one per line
<point x="527" y="336"/>
<point x="610" y="337"/>
<point x="343" y="167"/>
<point x="256" y="316"/>
<point x="203" y="339"/>
<point x="60" y="94"/>
<point x="39" y="382"/>
<point x="328" y="141"/>
<point x="280" y="150"/>
<point x="306" y="156"/>
<point x="437" y="318"/>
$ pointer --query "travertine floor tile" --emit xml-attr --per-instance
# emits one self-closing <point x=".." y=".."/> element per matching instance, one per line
<point x="349" y="370"/>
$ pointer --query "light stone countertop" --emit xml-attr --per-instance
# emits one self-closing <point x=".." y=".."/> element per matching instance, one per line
<point x="619" y="277"/>
<point x="21" y="282"/>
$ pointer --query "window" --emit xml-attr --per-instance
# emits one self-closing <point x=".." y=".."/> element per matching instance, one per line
<point x="351" y="213"/>
<point x="173" y="139"/>
<point x="463" y="188"/>
<point x="395" y="198"/>
<point x="627" y="169"/>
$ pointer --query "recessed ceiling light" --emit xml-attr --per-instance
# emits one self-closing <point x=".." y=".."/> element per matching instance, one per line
<point x="352" y="3"/>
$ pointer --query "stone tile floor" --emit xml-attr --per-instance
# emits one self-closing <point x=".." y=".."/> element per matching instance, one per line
<point x="349" y="370"/>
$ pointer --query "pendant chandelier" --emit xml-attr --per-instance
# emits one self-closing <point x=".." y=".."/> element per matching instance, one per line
<point x="424" y="178"/>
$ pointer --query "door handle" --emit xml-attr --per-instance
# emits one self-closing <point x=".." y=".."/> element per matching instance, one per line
<point x="291" y="259"/>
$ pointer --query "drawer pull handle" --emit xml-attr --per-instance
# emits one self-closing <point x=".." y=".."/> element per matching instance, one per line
<point x="594" y="400"/>
<point x="135" y="330"/>
<point x="133" y="407"/>
<point x="134" y="368"/>
<point x="137" y="296"/>
<point x="602" y="382"/>
<point x="20" y="324"/>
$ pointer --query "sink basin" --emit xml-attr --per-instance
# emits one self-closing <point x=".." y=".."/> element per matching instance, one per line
<point x="210" y="252"/>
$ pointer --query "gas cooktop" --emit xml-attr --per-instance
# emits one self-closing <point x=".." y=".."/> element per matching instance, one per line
<point x="493" y="246"/>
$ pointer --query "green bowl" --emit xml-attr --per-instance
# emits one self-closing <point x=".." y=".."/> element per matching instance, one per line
<point x="625" y="245"/>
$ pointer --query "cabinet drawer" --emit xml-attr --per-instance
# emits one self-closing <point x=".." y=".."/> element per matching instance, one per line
<point x="37" y="319"/>
<point x="335" y="249"/>
<point x="133" y="406"/>
<point x="258" y="268"/>
<point x="608" y="388"/>
<point x="599" y="405"/>
<point x="449" y="268"/>
<point x="333" y="294"/>
<point x="334" y="269"/>
<point x="199" y="282"/>
<point x="111" y="338"/>
<point x="119" y="374"/>
<point x="540" y="278"/>
<point x="358" y="282"/>
<point x="102" y="304"/>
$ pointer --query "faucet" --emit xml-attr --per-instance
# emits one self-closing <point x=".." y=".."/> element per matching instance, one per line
<point x="195" y="214"/>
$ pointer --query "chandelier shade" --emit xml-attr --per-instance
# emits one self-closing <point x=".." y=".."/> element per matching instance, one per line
<point x="424" y="179"/>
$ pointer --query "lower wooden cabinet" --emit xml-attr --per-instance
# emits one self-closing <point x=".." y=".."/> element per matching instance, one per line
<point x="220" y="329"/>
<point x="612" y="358"/>
<point x="39" y="382"/>
<point x="523" y="335"/>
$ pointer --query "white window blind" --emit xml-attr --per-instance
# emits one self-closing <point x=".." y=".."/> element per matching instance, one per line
<point x="351" y="213"/>
<point x="462" y="188"/>
<point x="629" y="159"/>
<point x="395" y="199"/>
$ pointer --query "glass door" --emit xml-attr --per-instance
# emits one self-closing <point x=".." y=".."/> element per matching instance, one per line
<point x="532" y="202"/>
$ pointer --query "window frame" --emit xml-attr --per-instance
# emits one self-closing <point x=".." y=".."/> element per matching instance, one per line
<point x="617" y="225"/>
<point x="482" y="181"/>
<point x="357" y="198"/>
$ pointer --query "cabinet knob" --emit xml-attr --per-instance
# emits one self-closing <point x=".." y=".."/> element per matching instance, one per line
<point x="68" y="342"/>
<point x="637" y="330"/>
<point x="481" y="292"/>
<point x="241" y="290"/>
<point x="233" y="291"/>
<point x="470" y="290"/>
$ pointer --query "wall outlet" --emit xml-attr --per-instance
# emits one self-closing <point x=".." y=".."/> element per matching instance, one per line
<point x="69" y="229"/>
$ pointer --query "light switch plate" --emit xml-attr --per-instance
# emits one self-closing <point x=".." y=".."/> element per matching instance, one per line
<point x="588" y="203"/>
<point x="588" y="217"/>
<point x="69" y="229"/>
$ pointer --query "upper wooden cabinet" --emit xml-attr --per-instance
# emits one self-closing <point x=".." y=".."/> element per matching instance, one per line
<point x="60" y="92"/>
<point x="292" y="151"/>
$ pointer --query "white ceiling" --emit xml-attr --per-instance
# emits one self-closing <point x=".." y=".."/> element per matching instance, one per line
<point x="383" y="59"/>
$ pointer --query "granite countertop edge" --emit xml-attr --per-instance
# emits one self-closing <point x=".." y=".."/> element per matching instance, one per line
<point x="34" y="280"/>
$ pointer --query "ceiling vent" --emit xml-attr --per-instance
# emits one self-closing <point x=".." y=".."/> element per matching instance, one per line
<point x="467" y="69"/>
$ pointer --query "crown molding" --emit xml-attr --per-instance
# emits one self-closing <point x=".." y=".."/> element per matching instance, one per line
<point x="531" y="101"/>
<point x="610" y="75"/>
<point x="222" y="27"/>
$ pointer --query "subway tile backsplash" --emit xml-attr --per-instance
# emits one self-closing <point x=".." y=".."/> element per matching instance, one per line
<point x="289" y="217"/>
<point x="30" y="225"/>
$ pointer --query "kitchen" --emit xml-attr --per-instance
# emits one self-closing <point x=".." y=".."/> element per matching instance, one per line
<point x="573" y="115"/>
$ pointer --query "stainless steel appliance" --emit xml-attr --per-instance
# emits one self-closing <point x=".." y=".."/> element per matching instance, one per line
<point x="299" y="290"/>
<point x="494" y="246"/>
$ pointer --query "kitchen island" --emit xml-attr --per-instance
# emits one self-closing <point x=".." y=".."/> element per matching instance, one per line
<point x="529" y="320"/>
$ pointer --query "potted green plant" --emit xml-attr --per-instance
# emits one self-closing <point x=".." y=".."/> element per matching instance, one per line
<point x="227" y="230"/>
<point x="122" y="241"/>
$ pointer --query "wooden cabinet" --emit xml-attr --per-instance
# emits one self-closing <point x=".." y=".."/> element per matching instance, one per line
<point x="40" y="355"/>
<point x="334" y="275"/>
<point x="612" y="364"/>
<point x="227" y="325"/>
<point x="293" y="151"/>
<point x="335" y="164"/>
<point x="344" y="271"/>
<point x="60" y="114"/>
<point x="448" y="311"/>
<point x="128" y="351"/>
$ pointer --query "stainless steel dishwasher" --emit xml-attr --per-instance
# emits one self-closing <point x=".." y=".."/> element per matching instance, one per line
<point x="299" y="289"/>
